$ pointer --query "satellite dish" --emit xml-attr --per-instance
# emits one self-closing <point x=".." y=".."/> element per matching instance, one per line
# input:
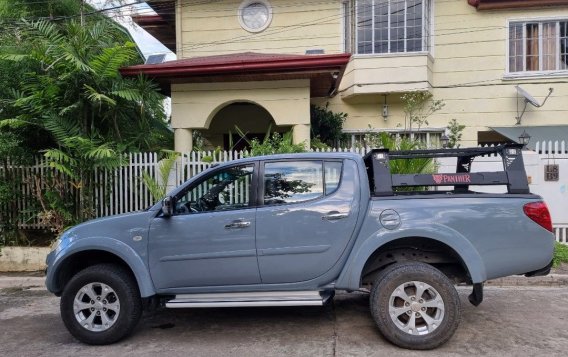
<point x="530" y="99"/>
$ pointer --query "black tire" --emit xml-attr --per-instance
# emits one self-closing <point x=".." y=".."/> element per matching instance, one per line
<point x="426" y="335"/>
<point x="125" y="296"/>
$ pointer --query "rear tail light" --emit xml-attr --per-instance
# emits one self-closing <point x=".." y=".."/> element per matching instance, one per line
<point x="538" y="212"/>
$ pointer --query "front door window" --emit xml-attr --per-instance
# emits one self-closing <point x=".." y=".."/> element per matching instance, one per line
<point x="211" y="238"/>
<point x="225" y="190"/>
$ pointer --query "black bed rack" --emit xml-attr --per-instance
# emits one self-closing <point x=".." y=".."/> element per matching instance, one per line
<point x="513" y="175"/>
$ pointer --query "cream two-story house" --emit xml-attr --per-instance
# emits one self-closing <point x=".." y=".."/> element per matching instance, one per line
<point x="255" y="63"/>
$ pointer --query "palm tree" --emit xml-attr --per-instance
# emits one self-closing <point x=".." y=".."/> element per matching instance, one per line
<point x="76" y="96"/>
<point x="78" y="80"/>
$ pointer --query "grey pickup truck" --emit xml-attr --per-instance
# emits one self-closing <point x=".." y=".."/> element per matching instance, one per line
<point x="290" y="230"/>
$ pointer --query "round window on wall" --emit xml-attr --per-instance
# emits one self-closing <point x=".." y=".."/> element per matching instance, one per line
<point x="255" y="16"/>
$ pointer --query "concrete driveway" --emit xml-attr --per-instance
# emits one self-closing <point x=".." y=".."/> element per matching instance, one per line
<point x="512" y="321"/>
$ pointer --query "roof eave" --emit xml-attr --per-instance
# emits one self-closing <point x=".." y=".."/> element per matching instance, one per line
<point x="249" y="67"/>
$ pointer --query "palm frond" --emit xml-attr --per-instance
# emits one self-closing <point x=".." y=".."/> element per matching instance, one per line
<point x="46" y="29"/>
<point x="267" y="135"/>
<point x="13" y="57"/>
<point x="61" y="162"/>
<point x="14" y="123"/>
<point x="79" y="143"/>
<point x="158" y="187"/>
<point x="62" y="168"/>
<point x="155" y="189"/>
<point x="98" y="30"/>
<point x="69" y="109"/>
<point x="61" y="128"/>
<point x="96" y="97"/>
<point x="129" y="94"/>
<point x="243" y="135"/>
<point x="73" y="57"/>
<point x="108" y="62"/>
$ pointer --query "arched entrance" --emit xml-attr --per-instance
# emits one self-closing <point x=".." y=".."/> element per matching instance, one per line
<point x="252" y="119"/>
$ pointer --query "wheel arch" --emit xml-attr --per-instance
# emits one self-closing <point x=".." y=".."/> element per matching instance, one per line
<point x="451" y="243"/>
<point x="79" y="258"/>
<point x="419" y="249"/>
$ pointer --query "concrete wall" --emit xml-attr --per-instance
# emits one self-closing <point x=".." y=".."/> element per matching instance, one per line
<point x="212" y="27"/>
<point x="22" y="259"/>
<point x="393" y="73"/>
<point x="195" y="105"/>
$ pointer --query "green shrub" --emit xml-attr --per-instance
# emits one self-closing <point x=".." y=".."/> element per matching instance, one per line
<point x="326" y="127"/>
<point x="560" y="254"/>
<point x="275" y="144"/>
<point x="393" y="143"/>
<point x="455" y="130"/>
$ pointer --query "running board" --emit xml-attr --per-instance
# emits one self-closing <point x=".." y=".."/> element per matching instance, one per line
<point x="257" y="299"/>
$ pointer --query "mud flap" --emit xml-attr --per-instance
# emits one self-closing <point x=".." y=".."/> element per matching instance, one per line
<point x="476" y="296"/>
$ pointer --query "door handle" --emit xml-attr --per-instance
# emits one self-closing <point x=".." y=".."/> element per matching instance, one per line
<point x="335" y="216"/>
<point x="239" y="224"/>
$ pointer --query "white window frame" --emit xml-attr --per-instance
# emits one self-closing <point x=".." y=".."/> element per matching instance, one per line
<point x="427" y="41"/>
<point x="540" y="73"/>
<point x="246" y="3"/>
<point x="346" y="22"/>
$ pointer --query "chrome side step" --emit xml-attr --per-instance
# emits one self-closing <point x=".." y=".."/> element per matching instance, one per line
<point x="279" y="298"/>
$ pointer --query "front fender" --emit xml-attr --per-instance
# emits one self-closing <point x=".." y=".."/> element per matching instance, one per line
<point x="57" y="258"/>
<point x="350" y="277"/>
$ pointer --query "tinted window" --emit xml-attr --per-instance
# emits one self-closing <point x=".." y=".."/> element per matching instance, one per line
<point x="291" y="182"/>
<point x="332" y="176"/>
<point x="225" y="190"/>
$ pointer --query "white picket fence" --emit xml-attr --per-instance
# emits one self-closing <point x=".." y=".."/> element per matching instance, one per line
<point x="561" y="233"/>
<point x="116" y="191"/>
<point x="122" y="190"/>
<point x="551" y="147"/>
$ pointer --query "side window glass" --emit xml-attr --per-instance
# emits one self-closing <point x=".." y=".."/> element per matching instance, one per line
<point x="225" y="190"/>
<point x="292" y="181"/>
<point x="332" y="176"/>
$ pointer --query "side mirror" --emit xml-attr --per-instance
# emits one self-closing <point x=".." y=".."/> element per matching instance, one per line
<point x="168" y="204"/>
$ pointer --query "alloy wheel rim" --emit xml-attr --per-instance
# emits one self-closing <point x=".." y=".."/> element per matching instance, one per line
<point x="416" y="308"/>
<point x="96" y="307"/>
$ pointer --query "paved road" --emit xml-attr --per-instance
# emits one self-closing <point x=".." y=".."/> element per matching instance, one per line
<point x="515" y="321"/>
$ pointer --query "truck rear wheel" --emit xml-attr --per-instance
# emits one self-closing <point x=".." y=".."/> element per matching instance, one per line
<point x="101" y="304"/>
<point x="415" y="306"/>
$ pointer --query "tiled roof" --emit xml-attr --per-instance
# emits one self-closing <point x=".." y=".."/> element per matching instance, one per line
<point x="323" y="71"/>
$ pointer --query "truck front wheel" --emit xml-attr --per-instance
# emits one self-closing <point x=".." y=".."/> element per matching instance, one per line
<point x="415" y="306"/>
<point x="101" y="304"/>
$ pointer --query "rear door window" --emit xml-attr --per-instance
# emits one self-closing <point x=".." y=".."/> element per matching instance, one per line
<point x="292" y="182"/>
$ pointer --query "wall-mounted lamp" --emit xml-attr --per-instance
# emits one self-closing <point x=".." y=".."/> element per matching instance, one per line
<point x="444" y="140"/>
<point x="524" y="139"/>
<point x="385" y="109"/>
